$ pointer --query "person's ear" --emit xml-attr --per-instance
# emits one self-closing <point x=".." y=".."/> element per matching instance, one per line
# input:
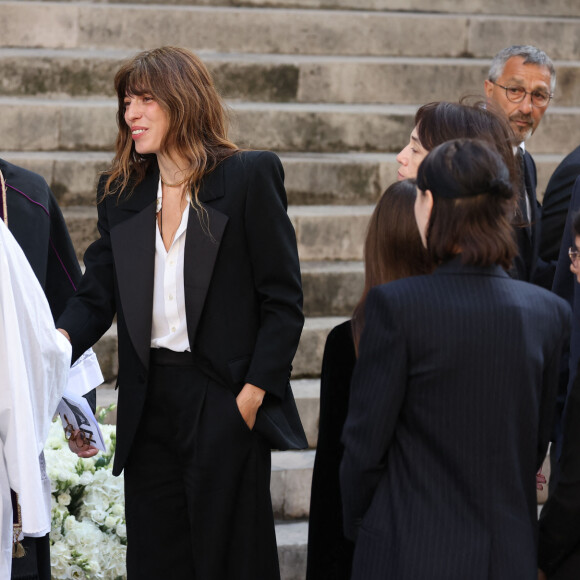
<point x="488" y="88"/>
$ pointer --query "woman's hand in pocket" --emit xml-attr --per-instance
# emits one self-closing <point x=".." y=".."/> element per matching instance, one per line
<point x="249" y="400"/>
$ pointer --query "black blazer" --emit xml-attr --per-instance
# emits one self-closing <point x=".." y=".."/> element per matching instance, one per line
<point x="243" y="295"/>
<point x="528" y="265"/>
<point x="560" y="517"/>
<point x="555" y="204"/>
<point x="329" y="554"/>
<point x="566" y="286"/>
<point x="449" y="419"/>
<point x="35" y="220"/>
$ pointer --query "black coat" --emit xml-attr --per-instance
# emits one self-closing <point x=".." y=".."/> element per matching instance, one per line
<point x="243" y="295"/>
<point x="555" y="205"/>
<point x="329" y="552"/>
<point x="559" y="544"/>
<point x="35" y="220"/>
<point x="449" y="419"/>
<point x="528" y="265"/>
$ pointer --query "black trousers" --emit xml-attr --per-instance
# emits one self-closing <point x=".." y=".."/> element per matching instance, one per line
<point x="197" y="483"/>
<point x="36" y="564"/>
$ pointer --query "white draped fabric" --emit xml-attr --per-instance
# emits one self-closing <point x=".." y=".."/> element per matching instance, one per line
<point x="34" y="369"/>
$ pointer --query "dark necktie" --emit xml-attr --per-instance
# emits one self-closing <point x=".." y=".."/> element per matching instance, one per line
<point x="523" y="202"/>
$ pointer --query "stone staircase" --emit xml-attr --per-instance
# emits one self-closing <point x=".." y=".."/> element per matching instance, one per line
<point x="330" y="85"/>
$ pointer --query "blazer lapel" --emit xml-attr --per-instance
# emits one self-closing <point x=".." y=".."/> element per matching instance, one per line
<point x="201" y="250"/>
<point x="133" y="242"/>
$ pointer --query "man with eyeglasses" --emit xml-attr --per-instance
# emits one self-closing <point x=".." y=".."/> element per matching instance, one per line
<point x="521" y="82"/>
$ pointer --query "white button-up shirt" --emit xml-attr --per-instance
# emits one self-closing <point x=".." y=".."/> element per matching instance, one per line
<point x="169" y="328"/>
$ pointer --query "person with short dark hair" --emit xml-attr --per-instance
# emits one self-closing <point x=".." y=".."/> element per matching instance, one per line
<point x="455" y="381"/>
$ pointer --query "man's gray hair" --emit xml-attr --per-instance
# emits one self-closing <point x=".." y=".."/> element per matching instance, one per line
<point x="530" y="54"/>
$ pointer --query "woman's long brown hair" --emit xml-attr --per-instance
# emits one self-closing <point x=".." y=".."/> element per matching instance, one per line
<point x="197" y="131"/>
<point x="393" y="247"/>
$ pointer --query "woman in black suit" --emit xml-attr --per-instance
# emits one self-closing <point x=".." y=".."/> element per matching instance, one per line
<point x="456" y="380"/>
<point x="197" y="258"/>
<point x="393" y="250"/>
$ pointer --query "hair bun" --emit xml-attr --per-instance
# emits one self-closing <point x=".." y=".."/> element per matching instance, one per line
<point x="501" y="187"/>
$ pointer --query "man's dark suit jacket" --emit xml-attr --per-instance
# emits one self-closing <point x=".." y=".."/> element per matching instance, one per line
<point x="243" y="295"/>
<point x="449" y="419"/>
<point x="566" y="286"/>
<point x="35" y="220"/>
<point x="559" y="544"/>
<point x="37" y="224"/>
<point x="528" y="264"/>
<point x="555" y="205"/>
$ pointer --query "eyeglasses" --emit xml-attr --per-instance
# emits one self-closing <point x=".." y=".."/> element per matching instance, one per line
<point x="518" y="94"/>
<point x="574" y="254"/>
<point x="80" y="439"/>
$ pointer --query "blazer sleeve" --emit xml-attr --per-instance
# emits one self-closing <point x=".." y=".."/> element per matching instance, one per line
<point x="373" y="409"/>
<point x="555" y="206"/>
<point x="90" y="312"/>
<point x="560" y="517"/>
<point x="276" y="271"/>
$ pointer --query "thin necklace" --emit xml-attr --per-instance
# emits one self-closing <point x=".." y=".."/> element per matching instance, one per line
<point x="172" y="184"/>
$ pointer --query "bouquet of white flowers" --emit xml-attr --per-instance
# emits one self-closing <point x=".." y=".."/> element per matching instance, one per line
<point x="88" y="538"/>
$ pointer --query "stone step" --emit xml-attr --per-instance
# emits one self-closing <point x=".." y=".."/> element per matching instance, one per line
<point x="306" y="364"/>
<point x="306" y="393"/>
<point x="279" y="30"/>
<point x="291" y="482"/>
<point x="311" y="178"/>
<point x="521" y="7"/>
<point x="322" y="232"/>
<point x="31" y="124"/>
<point x="274" y="78"/>
<point x="308" y="359"/>
<point x="331" y="288"/>
<point x="330" y="232"/>
<point x="292" y="539"/>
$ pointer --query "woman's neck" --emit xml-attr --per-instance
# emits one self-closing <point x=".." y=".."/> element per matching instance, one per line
<point x="173" y="170"/>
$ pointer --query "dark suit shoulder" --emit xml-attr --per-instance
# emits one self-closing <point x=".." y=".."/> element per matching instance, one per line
<point x="569" y="166"/>
<point x="254" y="156"/>
<point x="341" y="334"/>
<point x="28" y="182"/>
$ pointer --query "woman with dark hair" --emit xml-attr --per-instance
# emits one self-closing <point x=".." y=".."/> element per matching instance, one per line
<point x="197" y="259"/>
<point x="392" y="250"/>
<point x="438" y="122"/>
<point x="442" y="121"/>
<point x="456" y="379"/>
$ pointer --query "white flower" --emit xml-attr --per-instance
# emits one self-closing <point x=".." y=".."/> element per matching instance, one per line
<point x="86" y="478"/>
<point x="111" y="522"/>
<point x="59" y="557"/>
<point x="121" y="531"/>
<point x="98" y="516"/>
<point x="64" y="499"/>
<point x="118" y="509"/>
<point x="79" y="549"/>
